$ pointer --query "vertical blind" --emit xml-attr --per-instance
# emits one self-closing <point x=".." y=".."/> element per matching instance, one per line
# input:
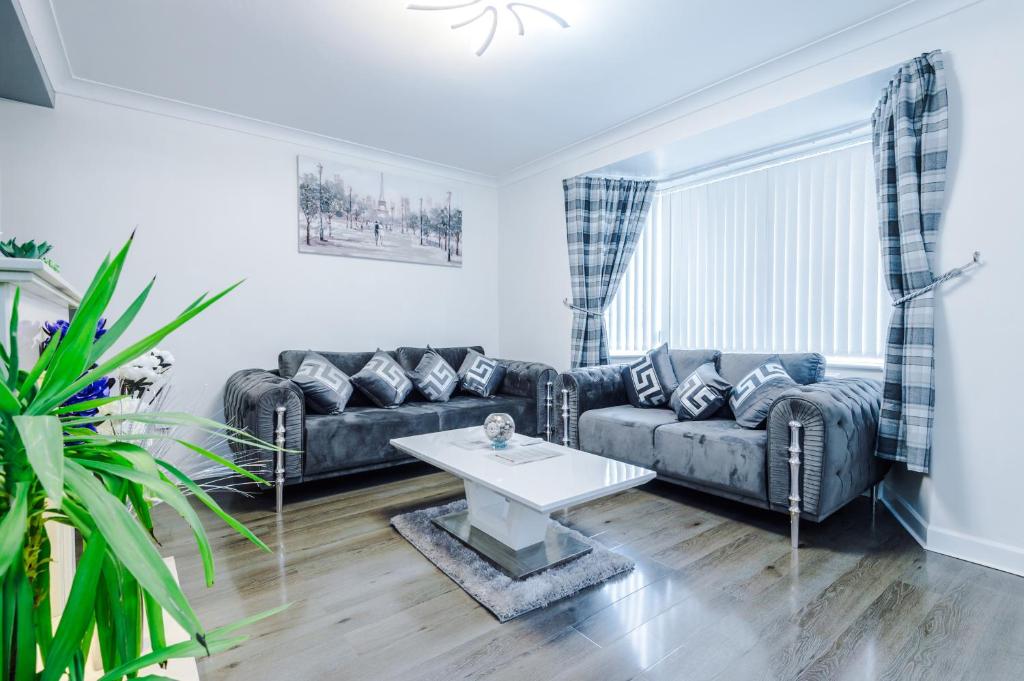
<point x="778" y="257"/>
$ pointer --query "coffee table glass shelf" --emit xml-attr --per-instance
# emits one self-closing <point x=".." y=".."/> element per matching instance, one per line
<point x="508" y="520"/>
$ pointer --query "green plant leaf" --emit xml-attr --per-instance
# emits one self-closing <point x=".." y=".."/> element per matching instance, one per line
<point x="170" y="495"/>
<point x="73" y="355"/>
<point x="172" y="418"/>
<point x="44" y="447"/>
<point x="138" y="457"/>
<point x="13" y="527"/>
<point x="130" y="543"/>
<point x="175" y="651"/>
<point x="9" y="403"/>
<point x="117" y="610"/>
<point x="8" y="606"/>
<point x="121" y="325"/>
<point x="78" y="612"/>
<point x="88" y="404"/>
<point x="43" y="403"/>
<point x="25" y="631"/>
<point x="218" y="640"/>
<point x="40" y="366"/>
<point x="42" y="612"/>
<point x="12" y="351"/>
<point x="216" y="458"/>
<point x="201" y="494"/>
<point x="154" y="622"/>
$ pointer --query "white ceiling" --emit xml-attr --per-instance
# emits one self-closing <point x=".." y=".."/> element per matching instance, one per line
<point x="375" y="73"/>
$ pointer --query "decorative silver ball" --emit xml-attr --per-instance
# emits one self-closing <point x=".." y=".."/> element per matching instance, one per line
<point x="499" y="429"/>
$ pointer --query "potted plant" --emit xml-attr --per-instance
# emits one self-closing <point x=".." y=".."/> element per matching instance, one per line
<point x="29" y="250"/>
<point x="58" y="466"/>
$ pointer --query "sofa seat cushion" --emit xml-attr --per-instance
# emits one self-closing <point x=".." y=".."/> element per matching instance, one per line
<point x="624" y="432"/>
<point x="717" y="453"/>
<point x="463" y="411"/>
<point x="360" y="436"/>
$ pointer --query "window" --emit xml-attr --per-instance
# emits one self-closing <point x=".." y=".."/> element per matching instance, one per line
<point x="777" y="256"/>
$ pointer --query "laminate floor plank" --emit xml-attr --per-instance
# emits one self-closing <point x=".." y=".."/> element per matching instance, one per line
<point x="716" y="594"/>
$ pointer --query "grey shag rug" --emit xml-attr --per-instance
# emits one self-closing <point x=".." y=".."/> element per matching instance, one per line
<point x="505" y="597"/>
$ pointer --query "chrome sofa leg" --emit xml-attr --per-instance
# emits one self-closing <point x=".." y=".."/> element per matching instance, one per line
<point x="874" y="503"/>
<point x="794" y="483"/>
<point x="565" y="417"/>
<point x="549" y="398"/>
<point x="279" y="432"/>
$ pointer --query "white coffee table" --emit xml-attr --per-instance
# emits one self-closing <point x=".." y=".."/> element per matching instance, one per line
<point x="508" y="520"/>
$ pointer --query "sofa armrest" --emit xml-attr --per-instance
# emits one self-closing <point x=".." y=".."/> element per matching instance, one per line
<point x="585" y="389"/>
<point x="251" y="398"/>
<point x="536" y="381"/>
<point x="838" y="423"/>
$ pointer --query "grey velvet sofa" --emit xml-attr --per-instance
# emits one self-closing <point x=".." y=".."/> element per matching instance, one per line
<point x="815" y="454"/>
<point x="267" y="404"/>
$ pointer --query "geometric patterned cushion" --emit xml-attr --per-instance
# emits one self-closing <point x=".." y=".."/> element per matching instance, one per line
<point x="480" y="375"/>
<point x="700" y="395"/>
<point x="325" y="386"/>
<point x="434" y="377"/>
<point x="650" y="380"/>
<point x="754" y="395"/>
<point x="383" y="381"/>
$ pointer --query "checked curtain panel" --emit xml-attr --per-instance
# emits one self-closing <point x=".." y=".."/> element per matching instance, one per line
<point x="603" y="219"/>
<point x="909" y="138"/>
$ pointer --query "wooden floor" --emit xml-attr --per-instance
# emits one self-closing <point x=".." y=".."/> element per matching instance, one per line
<point x="717" y="594"/>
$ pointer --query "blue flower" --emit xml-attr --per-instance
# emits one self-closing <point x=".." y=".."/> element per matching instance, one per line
<point x="61" y="327"/>
<point x="98" y="389"/>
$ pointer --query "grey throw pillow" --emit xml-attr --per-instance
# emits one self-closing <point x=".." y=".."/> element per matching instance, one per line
<point x="650" y="381"/>
<point x="325" y="386"/>
<point x="754" y="395"/>
<point x="383" y="381"/>
<point x="480" y="375"/>
<point x="434" y="377"/>
<point x="700" y="395"/>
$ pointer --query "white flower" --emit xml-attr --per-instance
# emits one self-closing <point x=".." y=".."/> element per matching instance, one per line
<point x="146" y="362"/>
<point x="135" y="373"/>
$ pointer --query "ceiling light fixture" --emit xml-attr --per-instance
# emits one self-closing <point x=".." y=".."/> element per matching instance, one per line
<point x="491" y="11"/>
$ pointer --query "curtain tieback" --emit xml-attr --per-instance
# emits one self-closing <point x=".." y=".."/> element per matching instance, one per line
<point x="952" y="274"/>
<point x="577" y="308"/>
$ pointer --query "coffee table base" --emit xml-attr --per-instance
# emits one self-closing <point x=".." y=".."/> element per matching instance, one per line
<point x="558" y="547"/>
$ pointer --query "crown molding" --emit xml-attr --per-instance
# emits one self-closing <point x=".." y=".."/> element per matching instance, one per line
<point x="45" y="30"/>
<point x="900" y="19"/>
<point x="41" y="20"/>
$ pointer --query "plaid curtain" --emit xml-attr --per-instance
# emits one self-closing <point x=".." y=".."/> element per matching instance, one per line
<point x="909" y="130"/>
<point x="603" y="219"/>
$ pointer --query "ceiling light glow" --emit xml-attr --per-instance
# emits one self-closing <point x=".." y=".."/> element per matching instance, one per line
<point x="490" y="13"/>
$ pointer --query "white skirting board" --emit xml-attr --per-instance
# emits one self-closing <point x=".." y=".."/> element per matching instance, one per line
<point x="952" y="543"/>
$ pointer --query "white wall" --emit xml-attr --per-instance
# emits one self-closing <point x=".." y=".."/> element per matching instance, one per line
<point x="214" y="206"/>
<point x="968" y="506"/>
